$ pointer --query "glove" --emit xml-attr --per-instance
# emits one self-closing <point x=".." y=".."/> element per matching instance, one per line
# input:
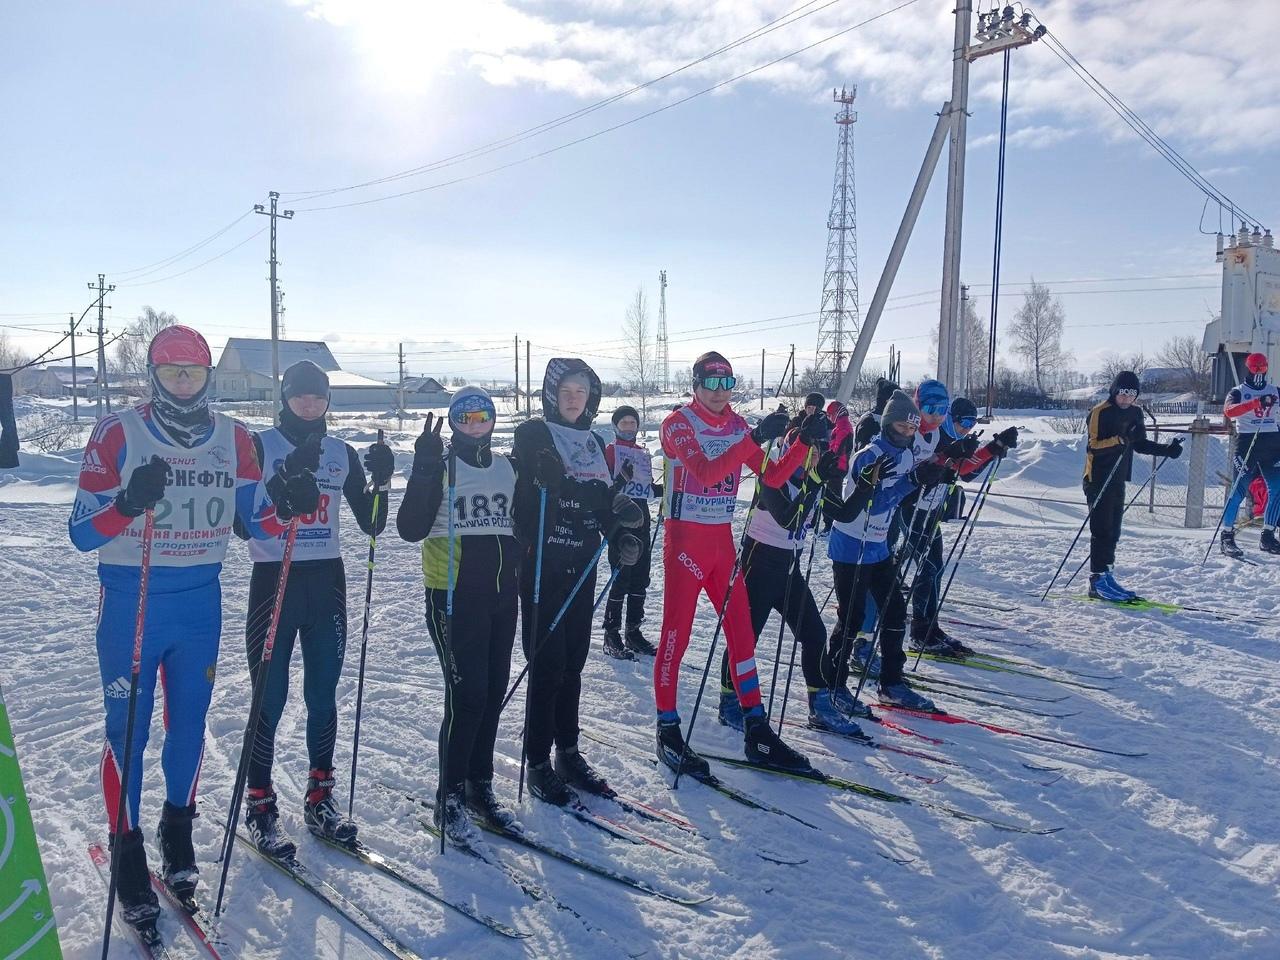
<point x="627" y="472"/>
<point x="771" y="427"/>
<point x="428" y="449"/>
<point x="1174" y="450"/>
<point x="815" y="427"/>
<point x="1264" y="403"/>
<point x="628" y="512"/>
<point x="1008" y="438"/>
<point x="927" y="474"/>
<point x="828" y="467"/>
<point x="949" y="476"/>
<point x="629" y="548"/>
<point x="145" y="489"/>
<point x="1131" y="432"/>
<point x="960" y="449"/>
<point x="380" y="462"/>
<point x="548" y="469"/>
<point x="869" y="476"/>
<point x="305" y="456"/>
<point x="294" y="496"/>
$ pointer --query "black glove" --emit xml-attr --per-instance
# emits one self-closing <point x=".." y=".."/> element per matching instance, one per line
<point x="961" y="448"/>
<point x="657" y="490"/>
<point x="928" y="473"/>
<point x="869" y="476"/>
<point x="294" y="496"/>
<point x="1132" y="431"/>
<point x="548" y="469"/>
<point x="380" y="462"/>
<point x="628" y="512"/>
<point x="771" y="427"/>
<point x="1173" y="450"/>
<point x="428" y="449"/>
<point x="828" y="467"/>
<point x="1006" y="440"/>
<point x="629" y="547"/>
<point x="1266" y="402"/>
<point x="305" y="456"/>
<point x="815" y="427"/>
<point x="145" y="489"/>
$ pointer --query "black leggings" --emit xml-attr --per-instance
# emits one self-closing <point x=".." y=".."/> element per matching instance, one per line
<point x="1104" y="522"/>
<point x="314" y="608"/>
<point x="631" y="582"/>
<point x="854" y="583"/>
<point x="555" y="672"/>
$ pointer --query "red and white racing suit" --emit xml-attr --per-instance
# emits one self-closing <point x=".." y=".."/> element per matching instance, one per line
<point x="705" y="453"/>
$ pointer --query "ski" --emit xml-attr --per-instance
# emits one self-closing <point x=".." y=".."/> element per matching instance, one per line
<point x="334" y="899"/>
<point x="875" y="793"/>
<point x="1029" y="665"/>
<point x="907" y="731"/>
<point x="970" y="623"/>
<point x="1142" y="603"/>
<point x="581" y="812"/>
<point x="547" y="849"/>
<point x="965" y="602"/>
<point x="1008" y="731"/>
<point x="977" y="663"/>
<point x="940" y="680"/>
<point x="982" y="702"/>
<point x="872" y="744"/>
<point x="384" y="866"/>
<point x="146" y="939"/>
<point x="202" y="927"/>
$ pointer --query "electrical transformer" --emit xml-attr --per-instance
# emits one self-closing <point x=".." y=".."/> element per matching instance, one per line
<point x="1249" y="320"/>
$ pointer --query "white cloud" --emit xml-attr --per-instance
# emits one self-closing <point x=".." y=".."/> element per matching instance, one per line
<point x="1034" y="136"/>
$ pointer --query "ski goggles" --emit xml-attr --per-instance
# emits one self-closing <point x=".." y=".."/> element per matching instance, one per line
<point x="171" y="373"/>
<point x="967" y="423"/>
<point x="472" y="416"/>
<point x="936" y="408"/>
<point x="1129" y="392"/>
<point x="718" y="382"/>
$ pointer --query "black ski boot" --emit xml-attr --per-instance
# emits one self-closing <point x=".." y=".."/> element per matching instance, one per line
<point x="613" y="645"/>
<point x="573" y="769"/>
<point x="177" y="857"/>
<point x="139" y="905"/>
<point x="958" y="649"/>
<point x="923" y="640"/>
<point x="546" y="785"/>
<point x="484" y="803"/>
<point x="262" y="820"/>
<point x="1227" y="545"/>
<point x="321" y="814"/>
<point x="671" y="748"/>
<point x="451" y="818"/>
<point x="637" y="643"/>
<point x="766" y="748"/>
<point x="1268" y="543"/>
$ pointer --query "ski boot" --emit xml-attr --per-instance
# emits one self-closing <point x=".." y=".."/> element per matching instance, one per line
<point x="1102" y="587"/>
<point x="1111" y="580"/>
<point x="1268" y="543"/>
<point x="177" y="857"/>
<point x="1227" y="545"/>
<point x="923" y="640"/>
<point x="958" y="649"/>
<point x="676" y="754"/>
<point x="573" y="769"/>
<point x="825" y="715"/>
<point x="139" y="906"/>
<point x="862" y="650"/>
<point x="636" y="642"/>
<point x="850" y="705"/>
<point x="484" y="803"/>
<point x="614" y="647"/>
<point x="451" y="818"/>
<point x="262" y="820"/>
<point x="766" y="748"/>
<point x="730" y="709"/>
<point x="901" y="695"/>
<point x="321" y="814"/>
<point x="546" y="785"/>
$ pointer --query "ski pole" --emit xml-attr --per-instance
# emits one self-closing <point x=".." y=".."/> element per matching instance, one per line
<point x="364" y="639"/>
<point x="533" y="636"/>
<point x="447" y="633"/>
<point x="1241" y="473"/>
<point x="795" y="636"/>
<point x="255" y="710"/>
<point x="126" y="766"/>
<point x="1084" y="523"/>
<point x="786" y="603"/>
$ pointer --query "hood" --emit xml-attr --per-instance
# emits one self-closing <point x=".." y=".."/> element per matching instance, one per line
<point x="557" y="369"/>
<point x="1125" y="380"/>
<point x="884" y="390"/>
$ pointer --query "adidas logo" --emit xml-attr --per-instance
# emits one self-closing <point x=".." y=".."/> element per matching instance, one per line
<point x="92" y="463"/>
<point x="117" y="689"/>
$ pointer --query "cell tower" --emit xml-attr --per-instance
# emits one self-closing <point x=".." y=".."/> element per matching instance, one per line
<point x="838" y="318"/>
<point x="663" y="357"/>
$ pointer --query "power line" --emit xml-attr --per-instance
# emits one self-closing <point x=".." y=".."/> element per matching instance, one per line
<point x="203" y="263"/>
<point x="181" y="254"/>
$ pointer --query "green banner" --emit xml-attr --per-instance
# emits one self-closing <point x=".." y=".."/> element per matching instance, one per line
<point x="27" y="928"/>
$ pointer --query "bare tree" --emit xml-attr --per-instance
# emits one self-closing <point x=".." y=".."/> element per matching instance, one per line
<point x="1113" y="363"/>
<point x="975" y="357"/>
<point x="11" y="356"/>
<point x="1193" y="364"/>
<point x="131" y="351"/>
<point x="1036" y="333"/>
<point x="639" y="363"/>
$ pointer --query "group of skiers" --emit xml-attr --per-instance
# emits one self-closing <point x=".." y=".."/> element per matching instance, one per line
<point x="515" y="538"/>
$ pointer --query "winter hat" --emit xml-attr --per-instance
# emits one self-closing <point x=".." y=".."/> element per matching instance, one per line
<point x="933" y="393"/>
<point x="815" y="399"/>
<point x="899" y="409"/>
<point x="1125" y="380"/>
<point x="179" y="344"/>
<point x="884" y="390"/>
<point x="961" y="408"/>
<point x="625" y="411"/>
<point x="711" y="364"/>
<point x="836" y="410"/>
<point x="304" y="377"/>
<point x="470" y="400"/>
<point x="1256" y="365"/>
<point x="184" y="418"/>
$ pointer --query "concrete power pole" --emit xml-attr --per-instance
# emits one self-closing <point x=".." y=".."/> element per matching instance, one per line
<point x="274" y="214"/>
<point x="103" y="289"/>
<point x="400" y="391"/>
<point x="947" y="320"/>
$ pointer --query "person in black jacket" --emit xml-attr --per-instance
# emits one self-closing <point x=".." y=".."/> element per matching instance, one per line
<point x="581" y="507"/>
<point x="868" y="424"/>
<point x="1116" y="432"/>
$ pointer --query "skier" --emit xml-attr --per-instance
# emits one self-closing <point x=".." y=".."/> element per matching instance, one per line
<point x="485" y="599"/>
<point x="581" y="507"/>
<point x="1255" y="452"/>
<point x="881" y="475"/>
<point x="868" y="425"/>
<point x="196" y="470"/>
<point x="631" y="465"/>
<point x="314" y="609"/>
<point x="706" y="445"/>
<point x="813" y="403"/>
<point x="1116" y="432"/>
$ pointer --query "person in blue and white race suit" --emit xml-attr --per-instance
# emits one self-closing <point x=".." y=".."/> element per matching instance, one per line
<point x="196" y="470"/>
<point x="1251" y="406"/>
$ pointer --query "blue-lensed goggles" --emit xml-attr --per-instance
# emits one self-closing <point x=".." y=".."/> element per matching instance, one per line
<point x="967" y="423"/>
<point x="718" y="383"/>
<point x="936" y="409"/>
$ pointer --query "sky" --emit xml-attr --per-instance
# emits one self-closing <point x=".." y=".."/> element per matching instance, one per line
<point x="131" y="132"/>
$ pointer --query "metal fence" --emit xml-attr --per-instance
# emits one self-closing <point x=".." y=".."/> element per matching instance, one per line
<point x="1196" y="485"/>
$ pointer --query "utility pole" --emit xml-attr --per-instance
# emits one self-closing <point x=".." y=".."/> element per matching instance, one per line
<point x="664" y="358"/>
<point x="103" y="289"/>
<point x="400" y="390"/>
<point x="762" y="379"/>
<point x="961" y="388"/>
<point x="793" y="376"/>
<point x="515" y="384"/>
<point x="955" y="193"/>
<point x="528" y="393"/>
<point x="838" y="315"/>
<point x="275" y="214"/>
<point x="75" y="388"/>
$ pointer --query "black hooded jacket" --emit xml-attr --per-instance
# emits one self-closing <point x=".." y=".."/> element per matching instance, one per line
<point x="868" y="424"/>
<point x="580" y="511"/>
<point x="1116" y="433"/>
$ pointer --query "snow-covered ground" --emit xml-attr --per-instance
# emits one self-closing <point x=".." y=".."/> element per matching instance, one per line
<point x="1175" y="854"/>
